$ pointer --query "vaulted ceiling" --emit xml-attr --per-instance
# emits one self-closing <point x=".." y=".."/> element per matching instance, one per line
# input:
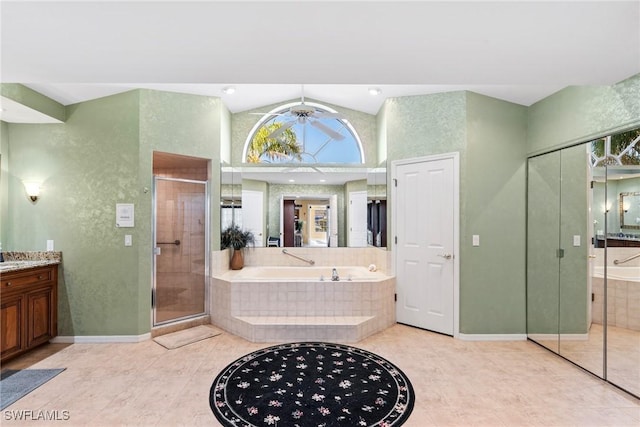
<point x="513" y="50"/>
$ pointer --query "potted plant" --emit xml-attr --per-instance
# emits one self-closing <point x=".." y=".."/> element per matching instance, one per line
<point x="237" y="239"/>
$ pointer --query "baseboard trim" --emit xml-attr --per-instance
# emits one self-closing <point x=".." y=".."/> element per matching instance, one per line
<point x="492" y="337"/>
<point x="97" y="339"/>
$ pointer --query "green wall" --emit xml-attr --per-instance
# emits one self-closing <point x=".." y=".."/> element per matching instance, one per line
<point x="493" y="194"/>
<point x="4" y="182"/>
<point x="86" y="166"/>
<point x="490" y="135"/>
<point x="102" y="155"/>
<point x="34" y="100"/>
<point x="582" y="113"/>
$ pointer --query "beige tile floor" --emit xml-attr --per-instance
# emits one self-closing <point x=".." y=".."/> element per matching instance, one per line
<point x="457" y="383"/>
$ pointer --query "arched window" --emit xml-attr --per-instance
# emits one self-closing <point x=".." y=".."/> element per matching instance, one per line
<point x="619" y="149"/>
<point x="303" y="132"/>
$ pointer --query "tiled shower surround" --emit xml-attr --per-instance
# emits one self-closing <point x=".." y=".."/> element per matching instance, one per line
<point x="268" y="311"/>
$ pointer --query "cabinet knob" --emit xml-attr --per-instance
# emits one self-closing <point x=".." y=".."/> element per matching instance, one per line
<point x="40" y="277"/>
<point x="8" y="283"/>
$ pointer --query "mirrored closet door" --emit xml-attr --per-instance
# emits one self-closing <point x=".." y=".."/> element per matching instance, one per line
<point x="583" y="256"/>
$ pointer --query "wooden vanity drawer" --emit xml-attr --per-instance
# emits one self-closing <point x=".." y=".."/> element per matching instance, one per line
<point x="26" y="278"/>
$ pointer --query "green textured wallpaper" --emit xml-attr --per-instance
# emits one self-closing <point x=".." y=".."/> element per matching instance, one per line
<point x="4" y="182"/>
<point x="101" y="156"/>
<point x="86" y="166"/>
<point x="34" y="100"/>
<point x="492" y="276"/>
<point x="581" y="113"/>
<point x="490" y="135"/>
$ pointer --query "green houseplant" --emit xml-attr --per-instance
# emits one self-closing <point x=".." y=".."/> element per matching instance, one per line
<point x="237" y="239"/>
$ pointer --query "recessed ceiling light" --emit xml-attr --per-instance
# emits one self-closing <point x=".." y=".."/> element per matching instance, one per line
<point x="323" y="180"/>
<point x="229" y="90"/>
<point x="292" y="180"/>
<point x="373" y="91"/>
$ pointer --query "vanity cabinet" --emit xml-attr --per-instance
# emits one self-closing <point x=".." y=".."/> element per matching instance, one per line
<point x="28" y="309"/>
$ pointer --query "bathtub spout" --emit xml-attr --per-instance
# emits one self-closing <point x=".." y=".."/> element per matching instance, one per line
<point x="334" y="275"/>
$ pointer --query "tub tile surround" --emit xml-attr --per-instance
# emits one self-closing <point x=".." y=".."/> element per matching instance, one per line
<point x="311" y="310"/>
<point x="623" y="296"/>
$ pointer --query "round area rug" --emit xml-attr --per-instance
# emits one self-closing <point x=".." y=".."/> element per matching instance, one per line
<point x="311" y="384"/>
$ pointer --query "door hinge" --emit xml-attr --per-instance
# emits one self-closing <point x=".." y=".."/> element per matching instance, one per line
<point x="153" y="298"/>
<point x="395" y="297"/>
<point x="560" y="253"/>
<point x="395" y="182"/>
<point x="395" y="239"/>
<point x="593" y="297"/>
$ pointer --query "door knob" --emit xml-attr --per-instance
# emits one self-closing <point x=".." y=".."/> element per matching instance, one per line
<point x="446" y="256"/>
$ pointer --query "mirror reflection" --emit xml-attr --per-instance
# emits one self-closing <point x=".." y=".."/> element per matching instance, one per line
<point x="630" y="210"/>
<point x="583" y="256"/>
<point x="307" y="206"/>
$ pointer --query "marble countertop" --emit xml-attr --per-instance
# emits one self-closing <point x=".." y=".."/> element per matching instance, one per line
<point x="15" y="261"/>
<point x="8" y="266"/>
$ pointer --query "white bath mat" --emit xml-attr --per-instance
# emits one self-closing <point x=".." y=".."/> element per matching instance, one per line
<point x="188" y="336"/>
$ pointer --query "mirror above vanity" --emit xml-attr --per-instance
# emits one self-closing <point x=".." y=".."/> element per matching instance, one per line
<point x="288" y="201"/>
<point x="630" y="210"/>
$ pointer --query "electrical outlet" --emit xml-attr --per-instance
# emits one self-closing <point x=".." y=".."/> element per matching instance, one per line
<point x="476" y="240"/>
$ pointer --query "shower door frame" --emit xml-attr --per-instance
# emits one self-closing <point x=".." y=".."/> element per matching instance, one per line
<point x="154" y="252"/>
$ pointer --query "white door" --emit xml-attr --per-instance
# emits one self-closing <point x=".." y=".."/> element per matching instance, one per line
<point x="358" y="219"/>
<point x="252" y="214"/>
<point x="425" y="219"/>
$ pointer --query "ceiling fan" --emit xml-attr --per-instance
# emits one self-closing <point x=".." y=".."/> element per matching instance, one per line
<point x="303" y="114"/>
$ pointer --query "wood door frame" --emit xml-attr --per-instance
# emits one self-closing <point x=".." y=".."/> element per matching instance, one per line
<point x="455" y="156"/>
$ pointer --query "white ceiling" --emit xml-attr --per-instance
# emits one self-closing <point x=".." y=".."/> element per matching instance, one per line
<point x="513" y="50"/>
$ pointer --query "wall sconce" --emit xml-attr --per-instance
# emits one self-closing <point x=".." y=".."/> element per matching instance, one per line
<point x="33" y="190"/>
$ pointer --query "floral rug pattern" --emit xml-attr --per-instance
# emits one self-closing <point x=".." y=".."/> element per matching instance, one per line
<point x="311" y="384"/>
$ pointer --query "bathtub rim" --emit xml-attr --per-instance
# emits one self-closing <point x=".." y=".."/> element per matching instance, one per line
<point x="236" y="276"/>
<point x="598" y="272"/>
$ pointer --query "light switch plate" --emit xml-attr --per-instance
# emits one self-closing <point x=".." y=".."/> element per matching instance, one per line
<point x="127" y="240"/>
<point x="476" y="240"/>
<point x="576" y="240"/>
<point x="49" y="245"/>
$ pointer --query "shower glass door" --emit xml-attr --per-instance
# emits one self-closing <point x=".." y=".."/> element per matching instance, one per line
<point x="180" y="255"/>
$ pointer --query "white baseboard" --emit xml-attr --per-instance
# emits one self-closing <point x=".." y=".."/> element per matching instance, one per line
<point x="492" y="337"/>
<point x="96" y="339"/>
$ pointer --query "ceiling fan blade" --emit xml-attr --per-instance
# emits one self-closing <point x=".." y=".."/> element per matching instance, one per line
<point x="269" y="114"/>
<point x="276" y="133"/>
<point x="327" y="130"/>
<point x="327" y="115"/>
